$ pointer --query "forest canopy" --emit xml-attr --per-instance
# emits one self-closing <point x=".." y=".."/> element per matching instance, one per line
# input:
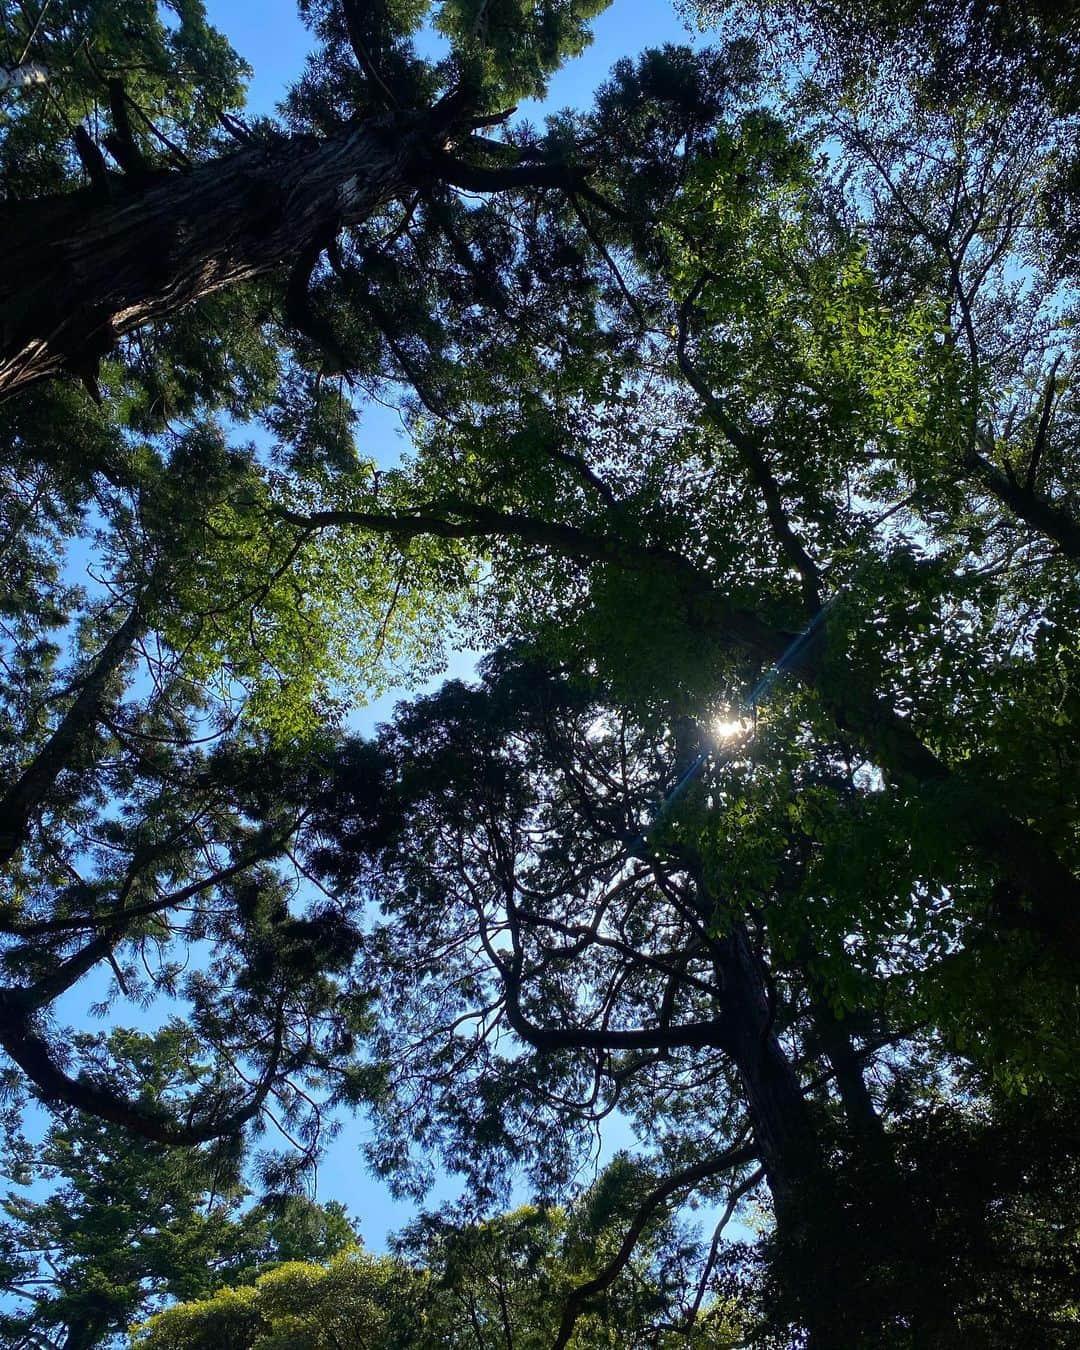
<point x="742" y="452"/>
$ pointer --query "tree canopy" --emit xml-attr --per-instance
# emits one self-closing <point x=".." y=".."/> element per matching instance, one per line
<point x="130" y="1221"/>
<point x="742" y="417"/>
<point x="458" y="1284"/>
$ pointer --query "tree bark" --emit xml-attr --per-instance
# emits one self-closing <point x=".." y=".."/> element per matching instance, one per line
<point x="807" y="1220"/>
<point x="863" y="1121"/>
<point x="82" y="270"/>
<point x="1050" y="518"/>
<point x="785" y="1134"/>
<point x="85" y="1332"/>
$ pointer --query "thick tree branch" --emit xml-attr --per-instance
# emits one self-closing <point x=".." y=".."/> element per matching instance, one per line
<point x="1045" y="413"/>
<point x="299" y="312"/>
<point x="32" y="1054"/>
<point x="26" y="794"/>
<point x="689" y="1035"/>
<point x="509" y="178"/>
<point x="121" y="142"/>
<point x="1050" y="519"/>
<point x="91" y="158"/>
<point x="475" y="521"/>
<point x="63" y="976"/>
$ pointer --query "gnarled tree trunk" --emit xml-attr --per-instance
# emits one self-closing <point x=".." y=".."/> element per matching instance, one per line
<point x="82" y="270"/>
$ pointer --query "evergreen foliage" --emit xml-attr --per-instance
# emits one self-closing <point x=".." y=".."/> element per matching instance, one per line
<point x="128" y="1222"/>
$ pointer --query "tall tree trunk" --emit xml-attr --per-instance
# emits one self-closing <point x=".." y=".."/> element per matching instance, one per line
<point x="807" y="1220"/>
<point x="782" y="1125"/>
<point x="85" y="1332"/>
<point x="82" y="270"/>
<point x="862" y="1119"/>
<point x="834" y="1034"/>
<point x="893" y="1236"/>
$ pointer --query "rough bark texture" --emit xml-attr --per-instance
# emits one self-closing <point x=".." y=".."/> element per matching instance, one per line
<point x="82" y="270"/>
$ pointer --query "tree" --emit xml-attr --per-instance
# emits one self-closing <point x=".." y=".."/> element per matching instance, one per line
<point x="357" y="1299"/>
<point x="818" y="425"/>
<point x="534" y="978"/>
<point x="906" y="388"/>
<point x="770" y="419"/>
<point x="897" y="63"/>
<point x="162" y="731"/>
<point x="624" y="984"/>
<point x="864" y="389"/>
<point x="540" y="1276"/>
<point x="129" y="1222"/>
<point x="466" y="1285"/>
<point x="374" y="128"/>
<point x="211" y="650"/>
<point x="1027" y="51"/>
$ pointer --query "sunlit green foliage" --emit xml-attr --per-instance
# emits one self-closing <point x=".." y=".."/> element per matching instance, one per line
<point x="356" y="1299"/>
<point x="128" y="1223"/>
<point x="464" y="1286"/>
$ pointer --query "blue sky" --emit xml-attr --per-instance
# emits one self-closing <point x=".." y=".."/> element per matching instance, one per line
<point x="271" y="38"/>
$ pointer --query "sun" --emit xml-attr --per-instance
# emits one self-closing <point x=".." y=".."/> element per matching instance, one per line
<point x="729" y="728"/>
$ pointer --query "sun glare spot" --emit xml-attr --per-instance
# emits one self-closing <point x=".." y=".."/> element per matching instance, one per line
<point x="728" y="728"/>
